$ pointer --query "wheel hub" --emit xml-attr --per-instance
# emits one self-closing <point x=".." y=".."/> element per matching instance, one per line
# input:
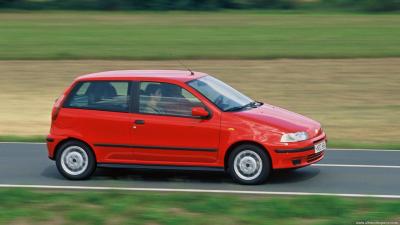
<point x="74" y="160"/>
<point x="248" y="165"/>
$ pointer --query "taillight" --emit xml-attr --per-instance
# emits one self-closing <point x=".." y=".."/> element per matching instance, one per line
<point x="57" y="107"/>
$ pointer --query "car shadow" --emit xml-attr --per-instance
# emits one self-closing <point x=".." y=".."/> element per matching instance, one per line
<point x="293" y="176"/>
<point x="124" y="175"/>
<point x="161" y="175"/>
<point x="52" y="173"/>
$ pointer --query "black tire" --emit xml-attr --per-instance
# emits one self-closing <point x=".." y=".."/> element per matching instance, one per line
<point x="244" y="150"/>
<point x="86" y="171"/>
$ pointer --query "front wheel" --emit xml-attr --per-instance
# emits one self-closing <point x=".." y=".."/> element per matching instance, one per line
<point x="75" y="160"/>
<point x="249" y="164"/>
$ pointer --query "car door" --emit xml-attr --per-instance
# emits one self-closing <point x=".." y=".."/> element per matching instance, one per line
<point x="99" y="112"/>
<point x="166" y="133"/>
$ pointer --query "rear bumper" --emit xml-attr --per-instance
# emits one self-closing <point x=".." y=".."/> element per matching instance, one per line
<point x="52" y="142"/>
<point x="295" y="155"/>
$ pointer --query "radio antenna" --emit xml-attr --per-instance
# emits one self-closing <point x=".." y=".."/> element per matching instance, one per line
<point x="187" y="68"/>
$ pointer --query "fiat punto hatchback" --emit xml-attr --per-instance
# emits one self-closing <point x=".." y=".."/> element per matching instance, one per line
<point x="175" y="120"/>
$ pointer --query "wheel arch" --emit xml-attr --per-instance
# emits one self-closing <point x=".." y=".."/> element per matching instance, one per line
<point x="243" y="142"/>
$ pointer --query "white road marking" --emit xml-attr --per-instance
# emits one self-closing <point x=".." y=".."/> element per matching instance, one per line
<point x="360" y="166"/>
<point x="12" y="142"/>
<point x="196" y="191"/>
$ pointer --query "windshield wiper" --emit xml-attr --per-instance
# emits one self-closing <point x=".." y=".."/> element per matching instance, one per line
<point x="253" y="104"/>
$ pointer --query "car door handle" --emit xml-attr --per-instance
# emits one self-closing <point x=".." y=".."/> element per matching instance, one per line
<point x="139" y="121"/>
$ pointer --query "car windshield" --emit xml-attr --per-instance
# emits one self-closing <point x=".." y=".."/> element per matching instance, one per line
<point x="222" y="95"/>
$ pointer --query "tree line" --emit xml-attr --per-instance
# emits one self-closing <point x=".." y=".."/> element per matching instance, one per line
<point x="352" y="5"/>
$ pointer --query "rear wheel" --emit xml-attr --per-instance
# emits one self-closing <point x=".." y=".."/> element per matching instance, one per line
<point x="75" y="160"/>
<point x="249" y="164"/>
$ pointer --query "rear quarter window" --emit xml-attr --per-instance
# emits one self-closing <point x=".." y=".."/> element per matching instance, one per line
<point x="100" y="95"/>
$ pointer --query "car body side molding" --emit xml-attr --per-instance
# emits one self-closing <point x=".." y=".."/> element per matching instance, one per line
<point x="155" y="147"/>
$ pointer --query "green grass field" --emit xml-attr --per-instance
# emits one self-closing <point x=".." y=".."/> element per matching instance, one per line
<point x="21" y="206"/>
<point x="197" y="35"/>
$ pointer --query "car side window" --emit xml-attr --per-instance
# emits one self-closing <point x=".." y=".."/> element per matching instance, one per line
<point x="101" y="95"/>
<point x="166" y="99"/>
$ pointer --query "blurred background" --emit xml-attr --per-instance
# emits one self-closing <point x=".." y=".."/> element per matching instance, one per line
<point x="336" y="61"/>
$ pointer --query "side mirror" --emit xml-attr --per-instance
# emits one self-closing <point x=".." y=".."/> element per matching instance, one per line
<point x="200" y="112"/>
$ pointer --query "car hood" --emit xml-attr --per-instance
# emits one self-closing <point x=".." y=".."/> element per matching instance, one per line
<point x="281" y="119"/>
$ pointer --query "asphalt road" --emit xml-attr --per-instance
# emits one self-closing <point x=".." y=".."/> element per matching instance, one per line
<point x="374" y="172"/>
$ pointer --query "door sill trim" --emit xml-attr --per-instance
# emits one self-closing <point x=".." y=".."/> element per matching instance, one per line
<point x="160" y="167"/>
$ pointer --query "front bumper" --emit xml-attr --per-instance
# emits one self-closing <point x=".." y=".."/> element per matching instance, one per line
<point x="298" y="154"/>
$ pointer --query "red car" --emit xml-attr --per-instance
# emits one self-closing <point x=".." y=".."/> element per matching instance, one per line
<point x="175" y="120"/>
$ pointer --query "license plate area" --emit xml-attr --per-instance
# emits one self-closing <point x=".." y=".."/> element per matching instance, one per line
<point x="319" y="147"/>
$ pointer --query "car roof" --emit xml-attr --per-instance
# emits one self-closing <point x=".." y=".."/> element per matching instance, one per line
<point x="161" y="75"/>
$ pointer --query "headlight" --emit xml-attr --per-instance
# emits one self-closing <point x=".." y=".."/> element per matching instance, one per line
<point x="294" y="137"/>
